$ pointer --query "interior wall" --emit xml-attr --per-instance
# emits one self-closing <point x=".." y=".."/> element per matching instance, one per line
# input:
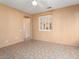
<point x="65" y="26"/>
<point x="10" y="25"/>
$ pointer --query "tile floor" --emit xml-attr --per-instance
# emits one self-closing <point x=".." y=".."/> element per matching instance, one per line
<point x="39" y="50"/>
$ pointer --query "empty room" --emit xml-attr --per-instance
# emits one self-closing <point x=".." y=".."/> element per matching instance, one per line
<point x="39" y="29"/>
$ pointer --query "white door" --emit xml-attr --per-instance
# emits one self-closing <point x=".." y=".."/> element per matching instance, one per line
<point x="27" y="28"/>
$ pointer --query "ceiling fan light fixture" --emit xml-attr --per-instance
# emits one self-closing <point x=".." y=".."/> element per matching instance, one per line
<point x="34" y="3"/>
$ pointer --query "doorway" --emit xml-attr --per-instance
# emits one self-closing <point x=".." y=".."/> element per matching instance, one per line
<point x="27" y="28"/>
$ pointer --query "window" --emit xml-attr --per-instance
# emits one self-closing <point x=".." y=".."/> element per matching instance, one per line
<point x="45" y="23"/>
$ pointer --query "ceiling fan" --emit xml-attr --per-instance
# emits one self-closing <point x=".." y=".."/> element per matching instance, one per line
<point x="35" y="3"/>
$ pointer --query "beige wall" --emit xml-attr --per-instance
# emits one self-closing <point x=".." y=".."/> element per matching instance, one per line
<point x="65" y="26"/>
<point x="10" y="25"/>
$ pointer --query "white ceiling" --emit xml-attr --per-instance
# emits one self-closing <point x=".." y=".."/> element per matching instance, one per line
<point x="26" y="5"/>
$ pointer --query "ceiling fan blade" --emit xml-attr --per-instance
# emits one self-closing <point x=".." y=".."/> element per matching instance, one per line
<point x="42" y="5"/>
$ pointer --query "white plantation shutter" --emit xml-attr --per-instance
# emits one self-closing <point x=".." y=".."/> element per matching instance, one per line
<point x="45" y="23"/>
